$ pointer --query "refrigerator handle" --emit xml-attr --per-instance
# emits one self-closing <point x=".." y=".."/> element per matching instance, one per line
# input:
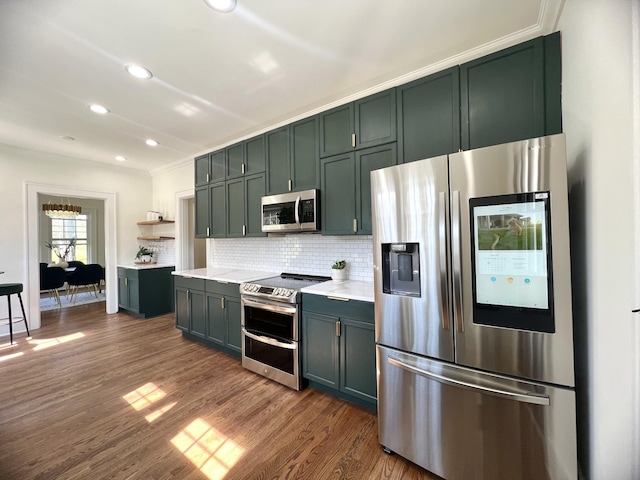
<point x="442" y="226"/>
<point x="456" y="255"/>
<point x="496" y="392"/>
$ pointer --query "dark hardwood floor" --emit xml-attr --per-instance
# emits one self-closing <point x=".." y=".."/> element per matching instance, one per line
<point x="93" y="396"/>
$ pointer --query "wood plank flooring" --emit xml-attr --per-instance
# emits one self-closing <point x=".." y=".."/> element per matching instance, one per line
<point x="93" y="396"/>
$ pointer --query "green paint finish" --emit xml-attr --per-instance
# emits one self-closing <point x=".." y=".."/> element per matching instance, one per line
<point x="216" y="319"/>
<point x="429" y="116"/>
<point x="255" y="189"/>
<point x="217" y="166"/>
<point x="201" y="170"/>
<point x="235" y="207"/>
<point x="336" y="128"/>
<point x="254" y="153"/>
<point x="202" y="211"/>
<point x="234" y="333"/>
<point x="338" y="199"/>
<point x="217" y="211"/>
<point x="320" y="349"/>
<point x="146" y="293"/>
<point x="278" y="169"/>
<point x="358" y="359"/>
<point x="375" y="119"/>
<point x="235" y="159"/>
<point x="305" y="159"/>
<point x="367" y="161"/>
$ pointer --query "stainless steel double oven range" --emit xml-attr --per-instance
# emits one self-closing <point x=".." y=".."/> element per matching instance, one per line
<point x="271" y="326"/>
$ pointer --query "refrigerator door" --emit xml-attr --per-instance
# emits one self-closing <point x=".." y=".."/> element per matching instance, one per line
<point x="460" y="423"/>
<point x="495" y="329"/>
<point x="410" y="256"/>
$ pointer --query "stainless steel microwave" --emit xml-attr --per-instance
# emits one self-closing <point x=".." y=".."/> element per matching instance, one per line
<point x="291" y="212"/>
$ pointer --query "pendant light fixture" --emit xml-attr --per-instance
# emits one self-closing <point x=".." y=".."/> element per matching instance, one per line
<point x="58" y="210"/>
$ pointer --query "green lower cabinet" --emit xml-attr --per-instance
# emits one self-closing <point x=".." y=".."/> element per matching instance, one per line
<point x="339" y="350"/>
<point x="208" y="312"/>
<point x="146" y="292"/>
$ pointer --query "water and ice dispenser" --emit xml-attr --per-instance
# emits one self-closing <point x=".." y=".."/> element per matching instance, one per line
<point x="401" y="269"/>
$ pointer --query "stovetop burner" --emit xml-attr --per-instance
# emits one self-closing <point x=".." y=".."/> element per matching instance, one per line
<point x="284" y="287"/>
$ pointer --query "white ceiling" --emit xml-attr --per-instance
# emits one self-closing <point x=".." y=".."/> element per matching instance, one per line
<point x="219" y="77"/>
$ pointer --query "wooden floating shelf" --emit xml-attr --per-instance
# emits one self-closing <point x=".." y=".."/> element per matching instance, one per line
<point x="155" y="222"/>
<point x="156" y="237"/>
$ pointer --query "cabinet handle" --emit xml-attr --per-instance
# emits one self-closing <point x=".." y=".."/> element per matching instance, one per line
<point x="208" y="178"/>
<point x="222" y="303"/>
<point x="353" y="140"/>
<point x="338" y="298"/>
<point x="126" y="282"/>
<point x="207" y="231"/>
<point x="355" y="225"/>
<point x="188" y="295"/>
<point x="289" y="184"/>
<point x="243" y="168"/>
<point x="244" y="230"/>
<point x="338" y="328"/>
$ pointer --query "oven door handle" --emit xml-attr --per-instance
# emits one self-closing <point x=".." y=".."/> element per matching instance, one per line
<point x="280" y="308"/>
<point x="270" y="341"/>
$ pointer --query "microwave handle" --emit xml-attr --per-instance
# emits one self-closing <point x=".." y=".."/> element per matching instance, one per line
<point x="297" y="209"/>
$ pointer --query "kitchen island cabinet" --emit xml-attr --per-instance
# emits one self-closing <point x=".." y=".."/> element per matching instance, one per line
<point x="145" y="290"/>
<point x="339" y="351"/>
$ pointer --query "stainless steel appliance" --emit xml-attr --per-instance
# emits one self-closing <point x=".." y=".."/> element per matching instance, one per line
<point x="473" y="312"/>
<point x="291" y="212"/>
<point x="271" y="326"/>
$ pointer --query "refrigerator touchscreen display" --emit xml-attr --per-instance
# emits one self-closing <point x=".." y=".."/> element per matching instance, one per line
<point x="511" y="257"/>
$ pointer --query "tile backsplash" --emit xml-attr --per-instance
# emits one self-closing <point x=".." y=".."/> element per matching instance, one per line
<point x="311" y="254"/>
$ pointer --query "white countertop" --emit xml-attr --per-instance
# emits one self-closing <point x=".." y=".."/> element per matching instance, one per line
<point x="352" y="289"/>
<point x="232" y="275"/>
<point x="144" y="266"/>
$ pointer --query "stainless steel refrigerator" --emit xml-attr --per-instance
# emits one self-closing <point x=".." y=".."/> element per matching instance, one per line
<point x="473" y="317"/>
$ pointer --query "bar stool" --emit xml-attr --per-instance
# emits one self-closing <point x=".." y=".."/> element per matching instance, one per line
<point x="8" y="289"/>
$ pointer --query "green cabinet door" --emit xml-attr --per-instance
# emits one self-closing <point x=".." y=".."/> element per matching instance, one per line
<point x="429" y="116"/>
<point x="217" y="210"/>
<point x="278" y="163"/>
<point x="217" y="166"/>
<point x="202" y="172"/>
<point x="235" y="207"/>
<point x="182" y="309"/>
<point x="234" y="333"/>
<point x="123" y="289"/>
<point x="368" y="160"/>
<point x="197" y="313"/>
<point x="133" y="285"/>
<point x="215" y="319"/>
<point x="502" y="96"/>
<point x="338" y="198"/>
<point x="254" y="190"/>
<point x="358" y="359"/>
<point x="375" y="119"/>
<point x="336" y="130"/>
<point x="320" y="361"/>
<point x="254" y="155"/>
<point x="235" y="160"/>
<point x="202" y="216"/>
<point x="305" y="171"/>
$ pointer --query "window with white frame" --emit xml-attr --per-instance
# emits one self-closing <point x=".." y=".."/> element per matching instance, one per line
<point x="63" y="231"/>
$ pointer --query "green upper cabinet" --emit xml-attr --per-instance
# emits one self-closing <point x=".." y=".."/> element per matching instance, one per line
<point x="364" y="123"/>
<point x="217" y="166"/>
<point x="346" y="189"/>
<point x="235" y="160"/>
<point x="202" y="170"/>
<point x="243" y="197"/>
<point x="305" y="155"/>
<point x="254" y="155"/>
<point x="217" y="211"/>
<point x="202" y="212"/>
<point x="429" y="116"/>
<point x="502" y="96"/>
<point x="278" y="165"/>
<point x="292" y="157"/>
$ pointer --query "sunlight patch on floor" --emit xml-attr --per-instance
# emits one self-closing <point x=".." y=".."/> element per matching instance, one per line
<point x="144" y="396"/>
<point x="158" y="413"/>
<point x="208" y="449"/>
<point x="41" y="344"/>
<point x="11" y="355"/>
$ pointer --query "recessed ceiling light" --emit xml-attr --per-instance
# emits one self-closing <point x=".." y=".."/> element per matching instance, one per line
<point x="99" y="109"/>
<point x="151" y="142"/>
<point x="221" y="5"/>
<point x="138" y="71"/>
<point x="120" y="158"/>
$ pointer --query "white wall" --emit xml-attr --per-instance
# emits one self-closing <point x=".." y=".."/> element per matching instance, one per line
<point x="19" y="167"/>
<point x="598" y="108"/>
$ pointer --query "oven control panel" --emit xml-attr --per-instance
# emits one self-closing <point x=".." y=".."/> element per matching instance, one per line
<point x="269" y="292"/>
